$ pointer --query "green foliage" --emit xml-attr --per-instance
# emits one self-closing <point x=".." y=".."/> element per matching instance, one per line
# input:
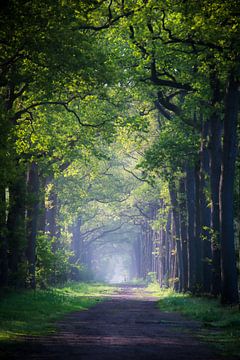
<point x="51" y="266"/>
<point x="175" y="145"/>
<point x="84" y="105"/>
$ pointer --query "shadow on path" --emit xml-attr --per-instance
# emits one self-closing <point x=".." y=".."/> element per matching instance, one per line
<point x="125" y="327"/>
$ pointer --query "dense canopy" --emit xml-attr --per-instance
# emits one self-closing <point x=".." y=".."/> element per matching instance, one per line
<point x="118" y="149"/>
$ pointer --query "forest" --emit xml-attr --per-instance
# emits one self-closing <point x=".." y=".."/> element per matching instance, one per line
<point x="119" y="153"/>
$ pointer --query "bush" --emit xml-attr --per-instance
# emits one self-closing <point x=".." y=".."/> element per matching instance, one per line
<point x="52" y="267"/>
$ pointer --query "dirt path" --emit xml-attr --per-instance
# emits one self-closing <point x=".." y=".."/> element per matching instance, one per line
<point x="124" y="327"/>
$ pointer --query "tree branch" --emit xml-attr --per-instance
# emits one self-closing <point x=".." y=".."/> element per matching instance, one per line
<point x="189" y="40"/>
<point x="142" y="212"/>
<point x="134" y="175"/>
<point x="110" y="21"/>
<point x="163" y="111"/>
<point x="104" y="233"/>
<point x="167" y="104"/>
<point x="170" y="83"/>
<point x="110" y="201"/>
<point x="61" y="103"/>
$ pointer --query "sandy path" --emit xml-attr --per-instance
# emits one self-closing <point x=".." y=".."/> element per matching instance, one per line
<point x="125" y="327"/>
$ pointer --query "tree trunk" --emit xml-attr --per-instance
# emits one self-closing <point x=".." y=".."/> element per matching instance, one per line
<point x="32" y="215"/>
<point x="205" y="212"/>
<point x="168" y="248"/>
<point x="172" y="252"/>
<point x="16" y="225"/>
<point x="42" y="207"/>
<point x="51" y="213"/>
<point x="51" y="216"/>
<point x="137" y="251"/>
<point x="76" y="240"/>
<point x="3" y="239"/>
<point x="197" y="233"/>
<point x="229" y="294"/>
<point x="190" y="186"/>
<point x="215" y="152"/>
<point x="175" y="209"/>
<point x="215" y="170"/>
<point x="183" y="231"/>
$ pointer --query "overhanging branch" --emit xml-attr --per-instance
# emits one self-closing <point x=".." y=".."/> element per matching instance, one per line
<point x="61" y="103"/>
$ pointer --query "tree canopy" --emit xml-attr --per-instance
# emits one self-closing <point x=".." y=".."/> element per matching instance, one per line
<point x="119" y="124"/>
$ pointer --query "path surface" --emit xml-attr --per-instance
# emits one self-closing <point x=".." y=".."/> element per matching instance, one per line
<point x="125" y="327"/>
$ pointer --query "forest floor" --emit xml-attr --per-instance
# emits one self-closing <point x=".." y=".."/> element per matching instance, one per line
<point x="127" y="325"/>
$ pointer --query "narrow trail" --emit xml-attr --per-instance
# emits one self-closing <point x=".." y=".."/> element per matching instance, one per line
<point x="127" y="326"/>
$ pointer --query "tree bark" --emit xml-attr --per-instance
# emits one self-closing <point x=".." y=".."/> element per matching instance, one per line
<point x="205" y="212"/>
<point x="190" y="186"/>
<point x="51" y="213"/>
<point x="175" y="210"/>
<point x="3" y="239"/>
<point x="16" y="225"/>
<point x="76" y="240"/>
<point x="32" y="225"/>
<point x="42" y="207"/>
<point x="229" y="294"/>
<point x="215" y="152"/>
<point x="51" y="216"/>
<point x="197" y="233"/>
<point x="183" y="231"/>
<point x="168" y="248"/>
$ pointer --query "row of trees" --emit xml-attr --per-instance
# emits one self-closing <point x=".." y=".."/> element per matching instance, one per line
<point x="198" y="96"/>
<point x="80" y="82"/>
<point x="46" y="66"/>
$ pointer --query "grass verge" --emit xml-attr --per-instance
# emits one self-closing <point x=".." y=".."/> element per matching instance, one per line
<point x="221" y="324"/>
<point x="35" y="313"/>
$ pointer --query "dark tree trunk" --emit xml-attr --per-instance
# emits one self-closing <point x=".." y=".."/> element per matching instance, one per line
<point x="229" y="294"/>
<point x="137" y="252"/>
<point x="197" y="233"/>
<point x="164" y="270"/>
<point x="183" y="231"/>
<point x="42" y="208"/>
<point x="190" y="186"/>
<point x="141" y="253"/>
<point x="76" y="240"/>
<point x="205" y="213"/>
<point x="175" y="210"/>
<point x="135" y="258"/>
<point x="51" y="214"/>
<point x="172" y="252"/>
<point x="17" y="227"/>
<point x="175" y="273"/>
<point x="168" y="248"/>
<point x="144" y="249"/>
<point x="3" y="239"/>
<point x="215" y="152"/>
<point x="32" y="225"/>
<point x="51" y="217"/>
<point x="215" y="169"/>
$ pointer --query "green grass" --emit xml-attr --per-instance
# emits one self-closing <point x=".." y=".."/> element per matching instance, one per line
<point x="221" y="324"/>
<point x="35" y="313"/>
